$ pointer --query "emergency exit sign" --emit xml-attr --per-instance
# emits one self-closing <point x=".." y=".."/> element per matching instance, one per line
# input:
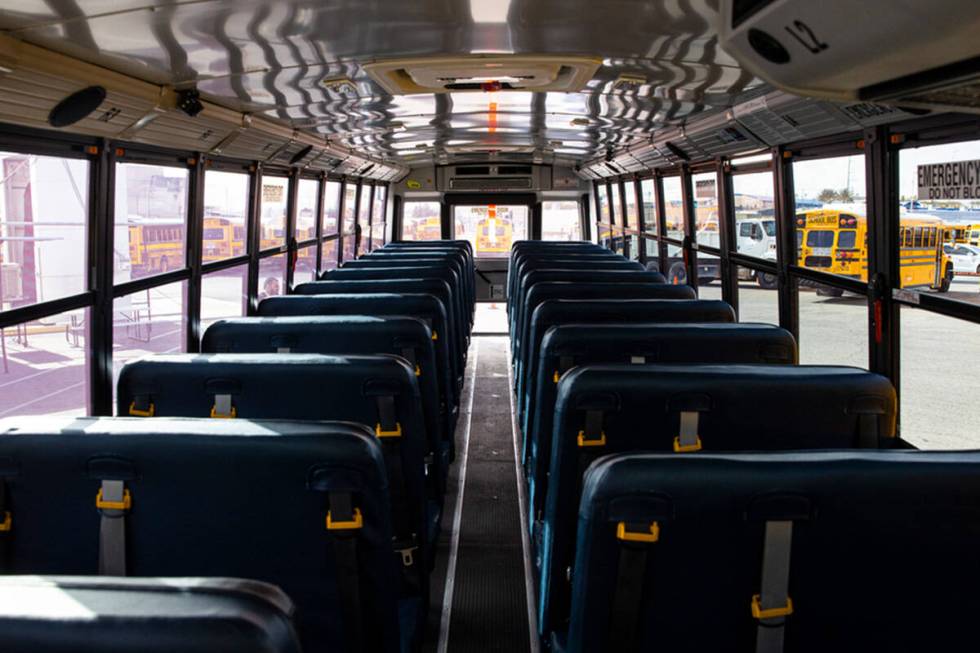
<point x="958" y="180"/>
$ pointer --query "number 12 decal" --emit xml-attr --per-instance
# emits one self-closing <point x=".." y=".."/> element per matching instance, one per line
<point x="802" y="33"/>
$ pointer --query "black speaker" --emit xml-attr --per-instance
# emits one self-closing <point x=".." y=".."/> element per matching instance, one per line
<point x="299" y="156"/>
<point x="76" y="106"/>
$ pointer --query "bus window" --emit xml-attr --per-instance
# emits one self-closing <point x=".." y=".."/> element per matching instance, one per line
<point x="225" y="206"/>
<point x="272" y="276"/>
<point x="350" y="202"/>
<point x="422" y="221"/>
<point x="43" y="218"/>
<point x="224" y="294"/>
<point x="331" y="208"/>
<point x="617" y="203"/>
<point x="631" y="221"/>
<point x="306" y="200"/>
<point x="44" y="367"/>
<point x="674" y="208"/>
<point x="150" y="199"/>
<point x="491" y="228"/>
<point x="820" y="238"/>
<point x="649" y="206"/>
<point x="148" y="322"/>
<point x="755" y="219"/>
<point x="847" y="239"/>
<point x="560" y="220"/>
<point x="272" y="212"/>
<point x="328" y="255"/>
<point x="604" y="229"/>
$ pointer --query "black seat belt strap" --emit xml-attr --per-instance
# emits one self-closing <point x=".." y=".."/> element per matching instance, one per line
<point x="389" y="431"/>
<point x="635" y="540"/>
<point x="868" y="431"/>
<point x="565" y="363"/>
<point x="408" y="353"/>
<point x="6" y="526"/>
<point x="591" y="440"/>
<point x="343" y="522"/>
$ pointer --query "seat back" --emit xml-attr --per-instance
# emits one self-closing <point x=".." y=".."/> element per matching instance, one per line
<point x="566" y="346"/>
<point x="378" y="391"/>
<point x="844" y="513"/>
<point x="719" y="407"/>
<point x="467" y="268"/>
<point x="407" y="337"/>
<point x="449" y="260"/>
<point x="591" y="261"/>
<point x="210" y="497"/>
<point x="93" y="614"/>
<point x="424" y="307"/>
<point x="548" y="290"/>
<point x="427" y="285"/>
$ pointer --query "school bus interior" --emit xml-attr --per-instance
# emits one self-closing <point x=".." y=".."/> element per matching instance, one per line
<point x="489" y="325"/>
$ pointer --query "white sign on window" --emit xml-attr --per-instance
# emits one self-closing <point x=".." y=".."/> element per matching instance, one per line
<point x="957" y="180"/>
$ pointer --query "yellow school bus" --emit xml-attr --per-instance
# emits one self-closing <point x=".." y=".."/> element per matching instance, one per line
<point x="155" y="247"/>
<point x="836" y="241"/>
<point x="222" y="239"/>
<point x="494" y="234"/>
<point x="427" y="229"/>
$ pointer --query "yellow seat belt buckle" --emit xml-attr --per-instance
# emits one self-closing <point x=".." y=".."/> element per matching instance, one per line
<point x="397" y="433"/>
<point x="125" y="504"/>
<point x="557" y="376"/>
<point x="435" y="335"/>
<point x="595" y="442"/>
<point x="646" y="537"/>
<point x="136" y="412"/>
<point x="232" y="414"/>
<point x="7" y="524"/>
<point x="418" y="370"/>
<point x="771" y="613"/>
<point x="687" y="448"/>
<point x="354" y="524"/>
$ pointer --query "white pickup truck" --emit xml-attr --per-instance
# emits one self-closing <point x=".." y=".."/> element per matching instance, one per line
<point x="755" y="236"/>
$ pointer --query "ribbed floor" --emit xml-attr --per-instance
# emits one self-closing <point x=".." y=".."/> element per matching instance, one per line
<point x="488" y="608"/>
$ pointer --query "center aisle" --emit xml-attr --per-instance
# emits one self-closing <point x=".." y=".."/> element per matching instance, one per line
<point x="485" y="607"/>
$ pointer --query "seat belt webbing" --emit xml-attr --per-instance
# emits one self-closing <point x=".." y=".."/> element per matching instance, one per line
<point x="6" y="527"/>
<point x="343" y="521"/>
<point x="113" y="502"/>
<point x="389" y="431"/>
<point x="772" y="605"/>
<point x="408" y="353"/>
<point x="223" y="407"/>
<point x="635" y="541"/>
<point x="688" y="439"/>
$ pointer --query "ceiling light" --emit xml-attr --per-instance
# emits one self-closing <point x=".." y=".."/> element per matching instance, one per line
<point x="489" y="11"/>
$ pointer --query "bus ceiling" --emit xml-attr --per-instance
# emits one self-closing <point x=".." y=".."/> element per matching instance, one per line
<point x="377" y="89"/>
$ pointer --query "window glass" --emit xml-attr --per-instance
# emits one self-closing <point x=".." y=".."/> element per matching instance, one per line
<point x="225" y="215"/>
<point x="224" y="294"/>
<point x="939" y="389"/>
<point x="151" y="220"/>
<point x="43" y="367"/>
<point x="377" y="215"/>
<point x="833" y="327"/>
<point x="348" y="252"/>
<point x="653" y="253"/>
<point x="847" y="239"/>
<point x="604" y="203"/>
<point x="364" y="210"/>
<point x="305" y="265"/>
<point x="331" y="207"/>
<point x="328" y="256"/>
<point x="378" y="232"/>
<point x="758" y="300"/>
<point x="633" y="247"/>
<point x="755" y="216"/>
<point x="272" y="276"/>
<point x="593" y="217"/>
<point x="706" y="208"/>
<point x="710" y="290"/>
<point x="306" y="198"/>
<point x="830" y="197"/>
<point x="43" y="216"/>
<point x="649" y="206"/>
<point x="560" y="220"/>
<point x="674" y="207"/>
<point x="273" y="212"/>
<point x="148" y="322"/>
<point x="939" y="194"/>
<point x="491" y="228"/>
<point x="422" y="221"/>
<point x="617" y="203"/>
<point x="632" y="222"/>
<point x="350" y="205"/>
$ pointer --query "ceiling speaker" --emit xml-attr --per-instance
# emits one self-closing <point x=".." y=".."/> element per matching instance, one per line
<point x="76" y="106"/>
